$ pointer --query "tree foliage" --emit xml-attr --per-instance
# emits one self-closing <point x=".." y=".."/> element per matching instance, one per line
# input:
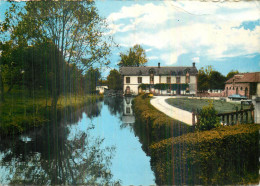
<point x="114" y="80"/>
<point x="74" y="27"/>
<point x="134" y="57"/>
<point x="208" y="118"/>
<point x="210" y="79"/>
<point x="232" y="73"/>
<point x="91" y="79"/>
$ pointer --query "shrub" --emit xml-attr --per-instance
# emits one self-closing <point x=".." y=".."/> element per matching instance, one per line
<point x="158" y="125"/>
<point x="225" y="155"/>
<point x="207" y="118"/>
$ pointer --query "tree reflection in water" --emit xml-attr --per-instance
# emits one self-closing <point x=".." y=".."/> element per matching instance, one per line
<point x="115" y="105"/>
<point x="52" y="156"/>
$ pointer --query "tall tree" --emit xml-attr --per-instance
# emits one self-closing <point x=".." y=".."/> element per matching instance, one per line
<point x="114" y="80"/>
<point x="203" y="78"/>
<point x="92" y="77"/>
<point x="232" y="73"/>
<point x="216" y="80"/>
<point x="134" y="57"/>
<point x="74" y="27"/>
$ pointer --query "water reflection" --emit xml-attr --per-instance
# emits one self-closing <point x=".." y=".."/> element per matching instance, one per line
<point x="89" y="145"/>
<point x="115" y="105"/>
<point x="51" y="155"/>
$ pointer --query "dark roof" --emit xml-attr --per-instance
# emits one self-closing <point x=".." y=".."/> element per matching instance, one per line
<point x="145" y="71"/>
<point x="245" y="78"/>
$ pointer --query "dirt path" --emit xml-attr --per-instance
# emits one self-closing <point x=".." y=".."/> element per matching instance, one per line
<point x="175" y="113"/>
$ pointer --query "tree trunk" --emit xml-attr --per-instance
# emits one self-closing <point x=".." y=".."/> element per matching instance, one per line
<point x="2" y="88"/>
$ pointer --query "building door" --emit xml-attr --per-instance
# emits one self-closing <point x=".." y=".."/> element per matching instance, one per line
<point x="127" y="90"/>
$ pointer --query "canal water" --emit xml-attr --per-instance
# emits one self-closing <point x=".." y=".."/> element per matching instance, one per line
<point x="96" y="144"/>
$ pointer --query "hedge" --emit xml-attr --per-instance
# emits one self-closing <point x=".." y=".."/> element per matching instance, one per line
<point x="165" y="86"/>
<point x="156" y="124"/>
<point x="225" y="155"/>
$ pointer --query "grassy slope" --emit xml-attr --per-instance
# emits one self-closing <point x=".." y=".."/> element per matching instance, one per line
<point x="194" y="104"/>
<point x="160" y="125"/>
<point x="20" y="112"/>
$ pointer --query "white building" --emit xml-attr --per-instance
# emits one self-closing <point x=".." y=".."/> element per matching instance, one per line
<point x="160" y="80"/>
<point x="101" y="89"/>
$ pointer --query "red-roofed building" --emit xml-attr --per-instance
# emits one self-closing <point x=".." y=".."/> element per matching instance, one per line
<point x="245" y="84"/>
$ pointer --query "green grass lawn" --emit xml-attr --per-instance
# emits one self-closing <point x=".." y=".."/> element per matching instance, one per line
<point x="194" y="104"/>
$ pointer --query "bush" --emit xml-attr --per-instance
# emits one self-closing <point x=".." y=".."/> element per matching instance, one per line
<point x="225" y="155"/>
<point x="207" y="118"/>
<point x="158" y="125"/>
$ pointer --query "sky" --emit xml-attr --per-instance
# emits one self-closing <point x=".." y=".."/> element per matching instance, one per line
<point x="225" y="35"/>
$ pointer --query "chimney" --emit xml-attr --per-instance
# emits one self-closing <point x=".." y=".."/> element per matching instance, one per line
<point x="193" y="64"/>
<point x="159" y="65"/>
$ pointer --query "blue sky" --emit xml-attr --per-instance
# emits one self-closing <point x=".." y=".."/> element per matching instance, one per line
<point x="225" y="35"/>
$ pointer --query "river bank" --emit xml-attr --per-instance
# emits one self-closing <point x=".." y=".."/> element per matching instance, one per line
<point x="179" y="155"/>
<point x="20" y="113"/>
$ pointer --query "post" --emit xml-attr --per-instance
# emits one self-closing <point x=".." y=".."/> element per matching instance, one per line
<point x="193" y="119"/>
<point x="246" y="116"/>
<point x="241" y="118"/>
<point x="227" y="119"/>
<point x="232" y="119"/>
<point x="236" y="115"/>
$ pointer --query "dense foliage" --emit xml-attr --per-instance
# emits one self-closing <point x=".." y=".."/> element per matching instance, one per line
<point x="226" y="155"/>
<point x="207" y="118"/>
<point x="114" y="80"/>
<point x="135" y="57"/>
<point x="160" y="125"/>
<point x="212" y="79"/>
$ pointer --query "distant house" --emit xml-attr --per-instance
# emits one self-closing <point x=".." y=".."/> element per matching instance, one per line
<point x="160" y="80"/>
<point x="101" y="89"/>
<point x="245" y="84"/>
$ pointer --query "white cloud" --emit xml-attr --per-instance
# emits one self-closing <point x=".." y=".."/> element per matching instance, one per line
<point x="152" y="57"/>
<point x="196" y="59"/>
<point x="205" y="29"/>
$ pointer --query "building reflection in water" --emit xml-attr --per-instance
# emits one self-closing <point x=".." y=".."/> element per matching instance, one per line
<point x="128" y="115"/>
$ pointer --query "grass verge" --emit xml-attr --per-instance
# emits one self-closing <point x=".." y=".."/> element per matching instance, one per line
<point x="20" y="113"/>
<point x="194" y="104"/>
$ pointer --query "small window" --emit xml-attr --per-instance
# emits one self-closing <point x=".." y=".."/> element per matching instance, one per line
<point x="241" y="88"/>
<point x="139" y="79"/>
<point x="229" y="88"/>
<point x="169" y="80"/>
<point x="233" y="88"/>
<point x="187" y="79"/>
<point x="127" y="79"/>
<point x="178" y="79"/>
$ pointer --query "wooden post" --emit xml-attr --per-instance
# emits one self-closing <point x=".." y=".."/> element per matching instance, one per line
<point x="241" y="118"/>
<point x="232" y="119"/>
<point x="236" y="115"/>
<point x="252" y="113"/>
<point x="246" y="116"/>
<point x="193" y="119"/>
<point x="227" y="119"/>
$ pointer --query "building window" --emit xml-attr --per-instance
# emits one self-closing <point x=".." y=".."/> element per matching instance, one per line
<point x="187" y="77"/>
<point x="168" y="80"/>
<point x="128" y="110"/>
<point x="127" y="79"/>
<point x="233" y="88"/>
<point x="241" y="88"/>
<point x="139" y="79"/>
<point x="178" y="79"/>
<point x="229" y="88"/>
